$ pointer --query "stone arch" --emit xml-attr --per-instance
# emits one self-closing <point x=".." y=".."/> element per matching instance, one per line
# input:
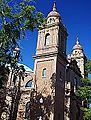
<point x="29" y="83"/>
<point x="47" y="39"/>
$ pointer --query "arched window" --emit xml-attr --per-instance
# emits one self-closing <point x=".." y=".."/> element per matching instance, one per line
<point x="29" y="83"/>
<point x="47" y="39"/>
<point x="44" y="72"/>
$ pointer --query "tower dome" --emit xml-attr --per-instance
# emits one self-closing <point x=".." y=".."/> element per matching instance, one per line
<point x="53" y="17"/>
<point x="54" y="12"/>
<point x="77" y="45"/>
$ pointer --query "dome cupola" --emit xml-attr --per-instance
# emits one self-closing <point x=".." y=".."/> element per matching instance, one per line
<point x="54" y="12"/>
<point x="53" y="16"/>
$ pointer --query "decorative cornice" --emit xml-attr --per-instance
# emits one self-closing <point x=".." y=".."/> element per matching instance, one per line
<point x="51" y="54"/>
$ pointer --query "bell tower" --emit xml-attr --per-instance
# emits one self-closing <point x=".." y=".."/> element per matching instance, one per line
<point x="79" y="56"/>
<point x="50" y="58"/>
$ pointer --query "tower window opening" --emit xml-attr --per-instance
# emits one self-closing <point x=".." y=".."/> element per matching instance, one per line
<point x="53" y="20"/>
<point x="47" y="39"/>
<point x="50" y="20"/>
<point x="75" y="52"/>
<point x="44" y="72"/>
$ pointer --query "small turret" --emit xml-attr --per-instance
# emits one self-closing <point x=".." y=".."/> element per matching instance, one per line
<point x="77" y="46"/>
<point x="79" y="56"/>
<point x="53" y="16"/>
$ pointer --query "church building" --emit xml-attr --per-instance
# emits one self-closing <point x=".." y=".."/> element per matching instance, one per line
<point x="50" y="59"/>
<point x="55" y="76"/>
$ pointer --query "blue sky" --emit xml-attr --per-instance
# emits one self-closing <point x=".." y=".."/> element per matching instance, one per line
<point x="75" y="14"/>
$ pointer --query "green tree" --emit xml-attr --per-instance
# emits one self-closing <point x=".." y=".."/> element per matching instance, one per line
<point x="16" y="16"/>
<point x="15" y="19"/>
<point x="84" y="92"/>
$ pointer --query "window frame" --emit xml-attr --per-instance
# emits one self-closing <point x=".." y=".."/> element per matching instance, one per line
<point x="44" y="72"/>
<point x="47" y="40"/>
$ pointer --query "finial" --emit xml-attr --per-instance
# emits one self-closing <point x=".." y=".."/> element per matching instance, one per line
<point x="77" y="40"/>
<point x="54" y="6"/>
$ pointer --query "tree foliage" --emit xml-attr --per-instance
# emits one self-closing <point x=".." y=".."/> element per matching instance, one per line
<point x="84" y="92"/>
<point x="15" y="18"/>
<point x="39" y="106"/>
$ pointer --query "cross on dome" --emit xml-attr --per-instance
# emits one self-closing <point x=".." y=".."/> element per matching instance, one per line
<point x="54" y="6"/>
<point x="77" y="40"/>
<point x="77" y="45"/>
<point x="54" y="12"/>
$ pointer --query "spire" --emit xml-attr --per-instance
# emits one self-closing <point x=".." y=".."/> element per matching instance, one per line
<point x="77" y="45"/>
<point x="77" y="40"/>
<point x="54" y="12"/>
<point x="54" y="6"/>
